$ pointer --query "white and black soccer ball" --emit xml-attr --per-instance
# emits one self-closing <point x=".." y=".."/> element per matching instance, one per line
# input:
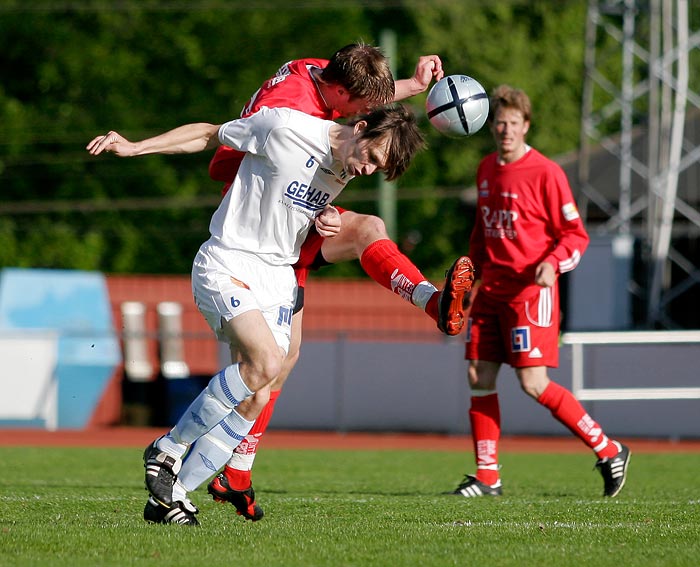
<point x="457" y="106"/>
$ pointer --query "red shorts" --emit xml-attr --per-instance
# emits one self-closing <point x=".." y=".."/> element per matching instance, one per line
<point x="521" y="334"/>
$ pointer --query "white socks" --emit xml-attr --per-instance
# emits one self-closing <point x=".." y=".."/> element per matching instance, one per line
<point x="223" y="393"/>
<point x="171" y="445"/>
<point x="211" y="428"/>
<point x="422" y="293"/>
<point x="211" y="451"/>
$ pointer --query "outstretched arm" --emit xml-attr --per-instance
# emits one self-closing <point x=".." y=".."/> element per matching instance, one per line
<point x="187" y="139"/>
<point x="429" y="67"/>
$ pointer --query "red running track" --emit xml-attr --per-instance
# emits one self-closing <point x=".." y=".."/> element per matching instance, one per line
<point x="274" y="439"/>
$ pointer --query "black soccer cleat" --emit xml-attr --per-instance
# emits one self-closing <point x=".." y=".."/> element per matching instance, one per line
<point x="242" y="500"/>
<point x="473" y="488"/>
<point x="458" y="282"/>
<point x="179" y="513"/>
<point x="161" y="473"/>
<point x="614" y="470"/>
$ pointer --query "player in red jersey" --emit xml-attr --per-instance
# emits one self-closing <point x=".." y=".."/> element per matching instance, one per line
<point x="527" y="232"/>
<point x="356" y="78"/>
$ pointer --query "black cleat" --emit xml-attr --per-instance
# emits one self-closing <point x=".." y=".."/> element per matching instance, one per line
<point x="161" y="473"/>
<point x="242" y="500"/>
<point x="179" y="513"/>
<point x="472" y="488"/>
<point x="614" y="470"/>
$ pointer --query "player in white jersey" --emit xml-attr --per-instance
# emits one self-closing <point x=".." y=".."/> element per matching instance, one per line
<point x="243" y="280"/>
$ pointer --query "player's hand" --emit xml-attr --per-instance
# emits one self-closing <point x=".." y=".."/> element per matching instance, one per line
<point x="545" y="275"/>
<point x="111" y="142"/>
<point x="429" y="67"/>
<point x="328" y="222"/>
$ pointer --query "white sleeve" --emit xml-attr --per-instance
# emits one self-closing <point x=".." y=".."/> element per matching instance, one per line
<point x="250" y="134"/>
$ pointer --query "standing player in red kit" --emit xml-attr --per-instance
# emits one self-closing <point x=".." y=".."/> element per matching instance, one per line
<point x="527" y="232"/>
<point x="355" y="79"/>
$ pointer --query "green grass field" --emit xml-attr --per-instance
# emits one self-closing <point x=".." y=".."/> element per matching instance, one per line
<point x="83" y="507"/>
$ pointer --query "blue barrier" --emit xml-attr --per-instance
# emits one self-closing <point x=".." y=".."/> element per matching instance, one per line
<point x="76" y="306"/>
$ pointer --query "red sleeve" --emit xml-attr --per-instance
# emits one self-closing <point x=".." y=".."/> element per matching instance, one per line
<point x="571" y="238"/>
<point x="225" y="163"/>
<point x="290" y="87"/>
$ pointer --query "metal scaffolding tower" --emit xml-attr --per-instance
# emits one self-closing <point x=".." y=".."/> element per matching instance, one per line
<point x="636" y="104"/>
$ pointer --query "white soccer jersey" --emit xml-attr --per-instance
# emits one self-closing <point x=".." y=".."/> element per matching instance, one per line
<point x="285" y="180"/>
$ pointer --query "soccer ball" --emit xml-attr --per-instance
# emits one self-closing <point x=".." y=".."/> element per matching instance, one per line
<point x="457" y="106"/>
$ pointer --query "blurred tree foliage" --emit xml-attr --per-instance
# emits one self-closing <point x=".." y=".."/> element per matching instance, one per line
<point x="73" y="70"/>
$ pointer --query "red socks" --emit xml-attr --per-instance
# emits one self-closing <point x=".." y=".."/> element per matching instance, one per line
<point x="262" y="421"/>
<point x="390" y="268"/>
<point x="240" y="479"/>
<point x="569" y="411"/>
<point x="485" y="419"/>
<point x="431" y="308"/>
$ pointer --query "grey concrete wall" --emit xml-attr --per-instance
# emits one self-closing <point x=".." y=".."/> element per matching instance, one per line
<point x="421" y="387"/>
<point x="599" y="298"/>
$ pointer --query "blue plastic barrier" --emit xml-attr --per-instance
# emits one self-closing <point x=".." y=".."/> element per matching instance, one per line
<point x="76" y="306"/>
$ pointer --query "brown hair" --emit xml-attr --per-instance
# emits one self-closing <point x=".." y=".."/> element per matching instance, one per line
<point x="397" y="123"/>
<point x="505" y="96"/>
<point x="364" y="71"/>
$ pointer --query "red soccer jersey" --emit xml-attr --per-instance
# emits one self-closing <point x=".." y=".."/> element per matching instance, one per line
<point x="291" y="87"/>
<point x="526" y="214"/>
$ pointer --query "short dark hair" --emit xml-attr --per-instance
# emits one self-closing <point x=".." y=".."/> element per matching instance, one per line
<point x="363" y="71"/>
<point x="397" y="123"/>
<point x="505" y="96"/>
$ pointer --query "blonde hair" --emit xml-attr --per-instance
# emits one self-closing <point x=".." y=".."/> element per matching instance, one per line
<point x="363" y="71"/>
<point x="505" y="96"/>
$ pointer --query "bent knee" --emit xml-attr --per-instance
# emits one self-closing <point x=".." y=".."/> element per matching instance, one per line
<point x="370" y="228"/>
<point x="261" y="372"/>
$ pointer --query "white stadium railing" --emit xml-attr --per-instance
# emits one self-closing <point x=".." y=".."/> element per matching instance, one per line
<point x="578" y="342"/>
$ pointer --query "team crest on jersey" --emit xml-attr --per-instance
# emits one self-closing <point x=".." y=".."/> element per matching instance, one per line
<point x="569" y="211"/>
<point x="520" y="339"/>
<point x="484" y="188"/>
<point x="312" y="161"/>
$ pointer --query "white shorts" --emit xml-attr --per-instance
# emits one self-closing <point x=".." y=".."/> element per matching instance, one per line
<point x="243" y="284"/>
